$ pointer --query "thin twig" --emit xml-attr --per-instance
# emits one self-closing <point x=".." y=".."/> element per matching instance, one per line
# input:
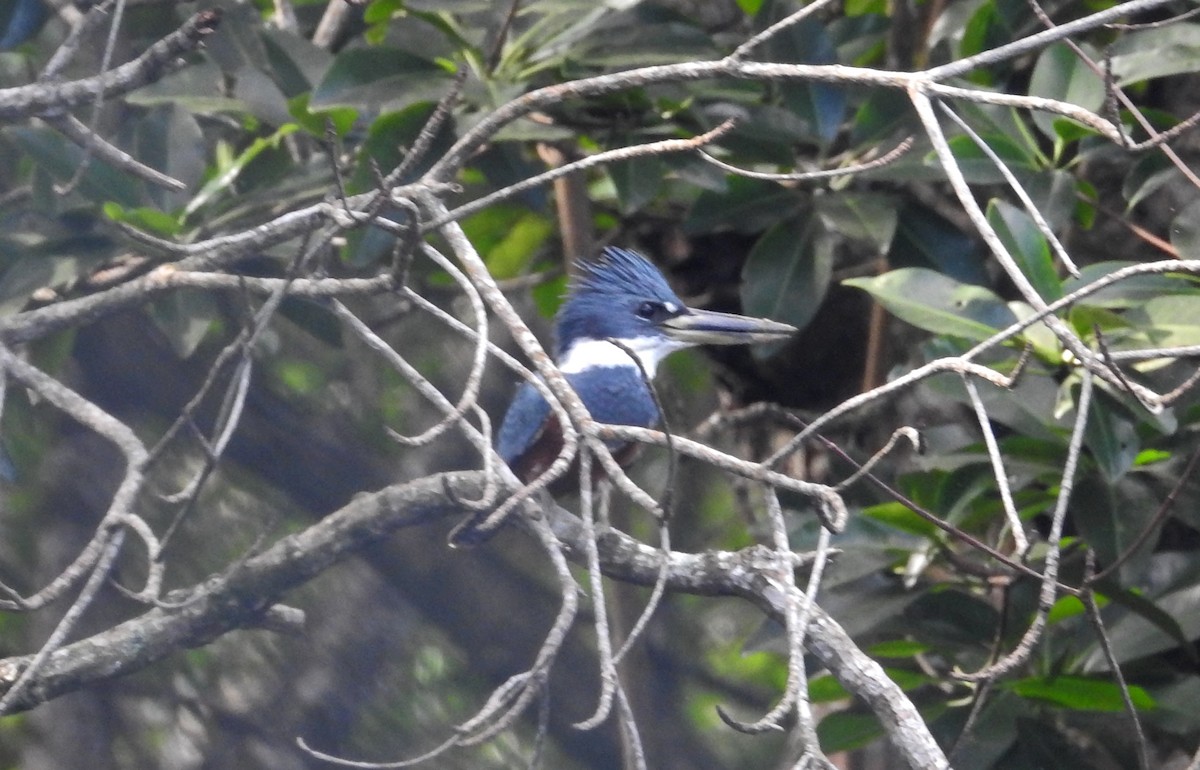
<point x="1049" y="590"/>
<point x="807" y="176"/>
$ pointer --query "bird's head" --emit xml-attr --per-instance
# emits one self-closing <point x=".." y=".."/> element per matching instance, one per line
<point x="623" y="296"/>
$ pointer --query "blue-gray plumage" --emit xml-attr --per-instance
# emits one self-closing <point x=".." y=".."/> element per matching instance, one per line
<point x="623" y="297"/>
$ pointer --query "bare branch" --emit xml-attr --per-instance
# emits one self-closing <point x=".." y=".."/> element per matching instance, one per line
<point x="156" y="61"/>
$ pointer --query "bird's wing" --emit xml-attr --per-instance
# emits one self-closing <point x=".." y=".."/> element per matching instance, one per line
<point x="523" y="423"/>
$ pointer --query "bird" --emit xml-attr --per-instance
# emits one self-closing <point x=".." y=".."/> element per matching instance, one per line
<point x="620" y="296"/>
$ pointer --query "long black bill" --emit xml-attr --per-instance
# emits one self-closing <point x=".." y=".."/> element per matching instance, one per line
<point x="706" y="327"/>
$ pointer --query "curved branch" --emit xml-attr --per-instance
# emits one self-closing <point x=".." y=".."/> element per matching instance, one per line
<point x="244" y="598"/>
<point x="157" y="60"/>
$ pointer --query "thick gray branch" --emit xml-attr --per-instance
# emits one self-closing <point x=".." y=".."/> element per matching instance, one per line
<point x="156" y="61"/>
<point x="243" y="598"/>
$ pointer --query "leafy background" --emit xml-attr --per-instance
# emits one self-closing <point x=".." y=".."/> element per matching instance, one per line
<point x="407" y="639"/>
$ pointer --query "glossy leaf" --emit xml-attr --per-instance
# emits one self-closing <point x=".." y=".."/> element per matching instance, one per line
<point x="1175" y="320"/>
<point x="937" y="303"/>
<point x="1133" y="292"/>
<point x="99" y="182"/>
<point x="317" y="123"/>
<point x="1060" y="73"/>
<point x="1081" y="693"/>
<point x="1185" y="231"/>
<point x="185" y="317"/>
<point x="1111" y="437"/>
<point x="221" y="183"/>
<point x="978" y="168"/>
<point x="1027" y="245"/>
<point x="637" y="181"/>
<point x="1147" y="610"/>
<point x="1111" y="518"/>
<point x="866" y="217"/>
<point x="845" y="731"/>
<point x="748" y="206"/>
<point x="924" y="239"/>
<point x="900" y="516"/>
<point x="787" y="272"/>
<point x="822" y="105"/>
<point x="1154" y="53"/>
<point x="144" y="218"/>
<point x="1148" y="175"/>
<point x="377" y="77"/>
<point x="510" y="256"/>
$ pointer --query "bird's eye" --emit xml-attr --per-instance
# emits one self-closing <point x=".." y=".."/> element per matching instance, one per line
<point x="648" y="310"/>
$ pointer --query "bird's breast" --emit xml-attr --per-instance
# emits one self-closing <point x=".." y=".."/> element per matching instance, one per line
<point x="617" y="395"/>
<point x="531" y="437"/>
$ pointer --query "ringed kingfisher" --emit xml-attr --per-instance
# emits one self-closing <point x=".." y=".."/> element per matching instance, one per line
<point x="621" y="296"/>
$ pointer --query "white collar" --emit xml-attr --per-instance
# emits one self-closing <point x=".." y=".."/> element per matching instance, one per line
<point x="595" y="354"/>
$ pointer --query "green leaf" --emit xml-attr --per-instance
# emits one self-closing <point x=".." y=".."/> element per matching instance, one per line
<point x="378" y="78"/>
<point x="978" y="168"/>
<point x="899" y="648"/>
<point x="99" y="182"/>
<point x="845" y="731"/>
<point x="903" y="518"/>
<point x="937" y="303"/>
<point x="821" y="105"/>
<point x="300" y="376"/>
<point x="296" y="64"/>
<point x="521" y="243"/>
<point x="985" y="29"/>
<point x="381" y="10"/>
<point x="1172" y="320"/>
<point x="230" y="171"/>
<point x="1111" y="518"/>
<point x="185" y="317"/>
<point x="386" y="139"/>
<point x="316" y="122"/>
<point x="925" y="239"/>
<point x="1027" y="245"/>
<point x="1080" y="693"/>
<point x="1133" y="292"/>
<point x="1151" y="457"/>
<point x="1148" y="174"/>
<point x="826" y="689"/>
<point x="196" y="88"/>
<point x="1064" y="608"/>
<point x="881" y="115"/>
<point x="548" y="295"/>
<point x="637" y="181"/>
<point x="747" y="206"/>
<point x="867" y="217"/>
<point x="1112" y="439"/>
<point x="1185" y="231"/>
<point x="952" y="617"/>
<point x="642" y="37"/>
<point x="1149" y="611"/>
<point x="750" y="7"/>
<point x="1056" y="194"/>
<point x="849" y="730"/>
<point x="1154" y="53"/>
<point x="787" y="272"/>
<point x="508" y="237"/>
<point x="170" y="139"/>
<point x="1061" y="74"/>
<point x="144" y="218"/>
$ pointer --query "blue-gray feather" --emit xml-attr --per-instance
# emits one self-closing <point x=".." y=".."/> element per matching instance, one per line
<point x="614" y="395"/>
<point x="602" y="299"/>
<point x="602" y="303"/>
<point x="525" y="419"/>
